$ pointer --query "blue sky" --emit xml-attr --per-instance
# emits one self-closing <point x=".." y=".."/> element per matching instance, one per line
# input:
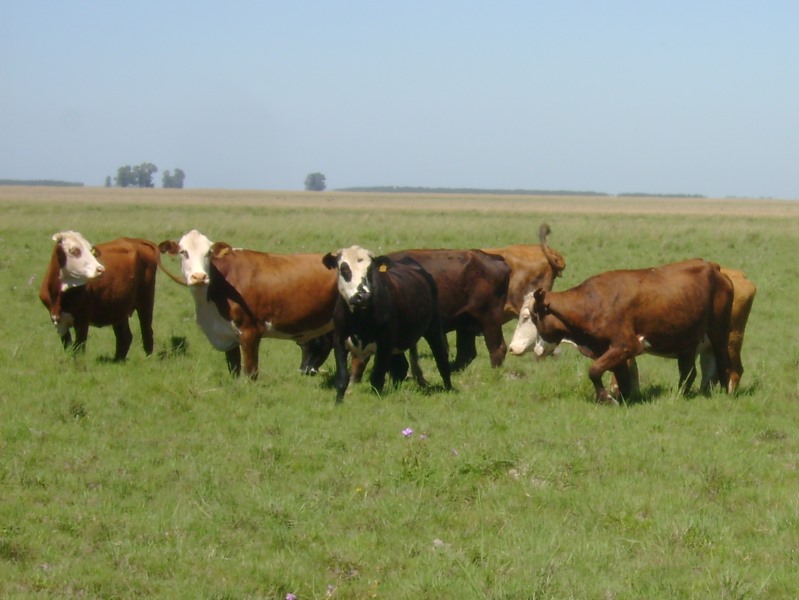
<point x="614" y="96"/>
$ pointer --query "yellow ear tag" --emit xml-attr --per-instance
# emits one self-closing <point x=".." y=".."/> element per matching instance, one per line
<point x="383" y="268"/>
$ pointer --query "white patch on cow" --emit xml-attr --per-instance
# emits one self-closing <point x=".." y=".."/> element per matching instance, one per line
<point x="644" y="343"/>
<point x="81" y="265"/>
<point x="526" y="336"/>
<point x="353" y="264"/>
<point x="195" y="257"/>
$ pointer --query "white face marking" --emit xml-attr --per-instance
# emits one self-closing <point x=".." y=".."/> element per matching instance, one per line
<point x="195" y="261"/>
<point x="526" y="337"/>
<point x="80" y="265"/>
<point x="353" y="285"/>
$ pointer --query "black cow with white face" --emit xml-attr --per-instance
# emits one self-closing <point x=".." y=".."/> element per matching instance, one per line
<point x="384" y="308"/>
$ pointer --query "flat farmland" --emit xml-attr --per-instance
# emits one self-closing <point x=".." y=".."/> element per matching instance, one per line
<point x="164" y="477"/>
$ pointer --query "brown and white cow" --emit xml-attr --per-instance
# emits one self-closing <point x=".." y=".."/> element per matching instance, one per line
<point x="384" y="307"/>
<point x="615" y="316"/>
<point x="242" y="296"/>
<point x="533" y="267"/>
<point x="101" y="285"/>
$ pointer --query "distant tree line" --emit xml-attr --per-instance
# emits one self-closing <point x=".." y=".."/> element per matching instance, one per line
<point x="50" y="182"/>
<point x="142" y="176"/>
<point x="428" y="190"/>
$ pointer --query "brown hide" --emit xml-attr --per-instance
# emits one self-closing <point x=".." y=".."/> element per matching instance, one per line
<point x="289" y="296"/>
<point x="533" y="267"/>
<point x="127" y="285"/>
<point x="472" y="293"/>
<point x="615" y="316"/>
<point x="742" y="299"/>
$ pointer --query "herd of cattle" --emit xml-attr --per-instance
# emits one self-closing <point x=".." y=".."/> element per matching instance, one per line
<point x="357" y="304"/>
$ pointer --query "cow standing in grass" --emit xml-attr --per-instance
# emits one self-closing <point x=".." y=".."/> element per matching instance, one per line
<point x="615" y="316"/>
<point x="384" y="307"/>
<point x="101" y="285"/>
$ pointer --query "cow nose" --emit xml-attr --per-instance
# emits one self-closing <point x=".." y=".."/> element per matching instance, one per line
<point x="100" y="270"/>
<point x="198" y="279"/>
<point x="359" y="298"/>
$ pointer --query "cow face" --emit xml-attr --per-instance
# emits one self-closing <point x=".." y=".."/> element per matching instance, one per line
<point x="354" y="270"/>
<point x="77" y="259"/>
<point x="195" y="251"/>
<point x="526" y="337"/>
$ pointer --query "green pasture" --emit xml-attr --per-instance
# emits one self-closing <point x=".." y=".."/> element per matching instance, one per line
<point x="164" y="478"/>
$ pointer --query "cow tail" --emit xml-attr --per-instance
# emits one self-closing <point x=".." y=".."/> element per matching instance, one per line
<point x="556" y="262"/>
<point x="176" y="279"/>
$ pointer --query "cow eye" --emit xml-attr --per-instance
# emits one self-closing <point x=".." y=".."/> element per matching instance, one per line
<point x="75" y="252"/>
<point x="184" y="253"/>
<point x="346" y="272"/>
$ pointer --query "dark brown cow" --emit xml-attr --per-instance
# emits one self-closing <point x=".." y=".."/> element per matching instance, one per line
<point x="101" y="285"/>
<point x="241" y="296"/>
<point x="533" y="267"/>
<point x="615" y="316"/>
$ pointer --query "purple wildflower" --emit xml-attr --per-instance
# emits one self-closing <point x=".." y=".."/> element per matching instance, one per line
<point x="291" y="596"/>
<point x="407" y="432"/>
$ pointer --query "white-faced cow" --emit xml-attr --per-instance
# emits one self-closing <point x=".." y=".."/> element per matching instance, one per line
<point x="242" y="296"/>
<point x="385" y="306"/>
<point x="101" y="285"/>
<point x="615" y="316"/>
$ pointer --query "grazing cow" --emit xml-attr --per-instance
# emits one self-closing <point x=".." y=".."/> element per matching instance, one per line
<point x="615" y="316"/>
<point x="242" y="296"/>
<point x="385" y="306"/>
<point x="532" y="267"/>
<point x="101" y="285"/>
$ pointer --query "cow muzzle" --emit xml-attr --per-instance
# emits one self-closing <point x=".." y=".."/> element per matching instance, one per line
<point x="198" y="279"/>
<point x="360" y="299"/>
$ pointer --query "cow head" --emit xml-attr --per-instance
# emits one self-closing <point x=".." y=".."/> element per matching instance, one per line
<point x="77" y="259"/>
<point x="354" y="266"/>
<point x="528" y="335"/>
<point x="195" y="251"/>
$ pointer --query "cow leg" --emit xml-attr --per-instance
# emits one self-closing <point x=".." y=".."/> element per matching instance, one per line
<point x="380" y="368"/>
<point x="357" y="369"/>
<point x="438" y="345"/>
<point x="66" y="340"/>
<point x="465" y="348"/>
<point x="250" y="342"/>
<point x="342" y="375"/>
<point x="687" y="365"/>
<point x="398" y="368"/>
<point x="233" y="358"/>
<point x="495" y="343"/>
<point x="416" y="369"/>
<point x="633" y="384"/>
<point x="146" y="327"/>
<point x="615" y="359"/>
<point x="123" y="337"/>
<point x="81" y="335"/>
<point x="315" y="353"/>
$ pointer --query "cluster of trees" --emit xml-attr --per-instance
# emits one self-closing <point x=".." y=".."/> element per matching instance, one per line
<point x="315" y="182"/>
<point x="142" y="176"/>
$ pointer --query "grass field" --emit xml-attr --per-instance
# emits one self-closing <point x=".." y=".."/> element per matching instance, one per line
<point x="163" y="477"/>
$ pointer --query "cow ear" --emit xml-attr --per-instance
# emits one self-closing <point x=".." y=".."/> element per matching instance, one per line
<point x="95" y="252"/>
<point x="219" y="249"/>
<point x="540" y="305"/>
<point x="382" y="263"/>
<point x="168" y="247"/>
<point x="330" y="260"/>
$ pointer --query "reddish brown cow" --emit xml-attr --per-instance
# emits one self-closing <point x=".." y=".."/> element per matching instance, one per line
<point x="242" y="295"/>
<point x="101" y="285"/>
<point x="533" y="267"/>
<point x="615" y="316"/>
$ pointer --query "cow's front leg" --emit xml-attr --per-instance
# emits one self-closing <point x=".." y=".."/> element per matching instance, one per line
<point x="250" y="342"/>
<point x="123" y="337"/>
<point x="614" y="359"/>
<point x="66" y="340"/>
<point x="342" y="379"/>
<point x="380" y="368"/>
<point x="357" y="368"/>
<point x="81" y="335"/>
<point x="465" y="349"/>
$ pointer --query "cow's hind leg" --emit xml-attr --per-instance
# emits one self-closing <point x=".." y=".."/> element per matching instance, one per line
<point x="250" y="342"/>
<point x="123" y="339"/>
<point x="233" y="359"/>
<point x="416" y="369"/>
<point x="687" y="365"/>
<point x="438" y="344"/>
<point x="146" y="327"/>
<point x="380" y="368"/>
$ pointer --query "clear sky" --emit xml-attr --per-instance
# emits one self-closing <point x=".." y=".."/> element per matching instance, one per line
<point x="615" y="96"/>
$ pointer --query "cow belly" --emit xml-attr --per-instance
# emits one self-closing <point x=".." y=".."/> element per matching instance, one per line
<point x="304" y="336"/>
